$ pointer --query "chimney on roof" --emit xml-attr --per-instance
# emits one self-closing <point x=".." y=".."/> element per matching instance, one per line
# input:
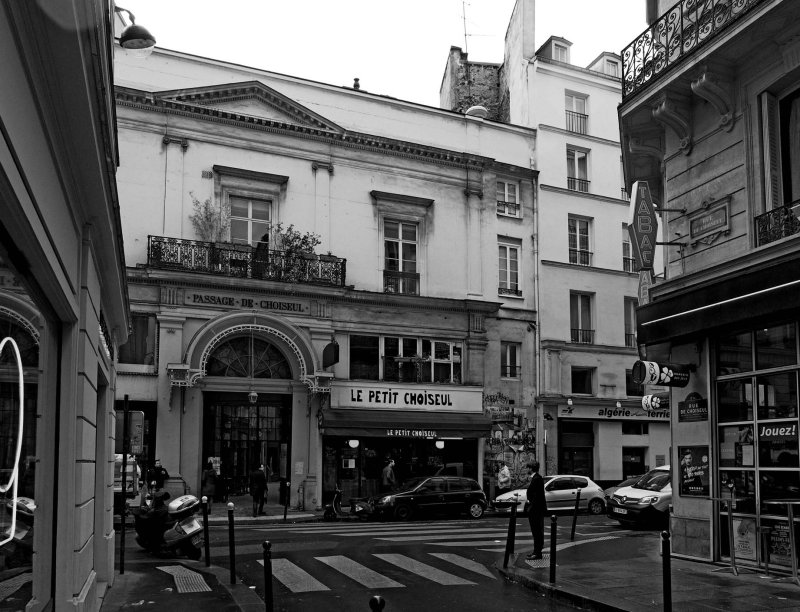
<point x="356" y="84"/>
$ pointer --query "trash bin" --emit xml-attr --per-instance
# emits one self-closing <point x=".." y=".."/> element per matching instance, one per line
<point x="283" y="492"/>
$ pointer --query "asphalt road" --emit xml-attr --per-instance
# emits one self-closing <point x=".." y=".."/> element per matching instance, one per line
<point x="420" y="565"/>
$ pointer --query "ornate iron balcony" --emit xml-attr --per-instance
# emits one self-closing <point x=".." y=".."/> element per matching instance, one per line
<point x="401" y="282"/>
<point x="508" y="208"/>
<point x="777" y="223"/>
<point x="244" y="261"/>
<point x="582" y="258"/>
<point x="509" y="291"/>
<point x="685" y="27"/>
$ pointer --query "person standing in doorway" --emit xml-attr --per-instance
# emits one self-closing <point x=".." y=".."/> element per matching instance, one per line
<point x="157" y="474"/>
<point x="258" y="487"/>
<point x="388" y="481"/>
<point x="537" y="509"/>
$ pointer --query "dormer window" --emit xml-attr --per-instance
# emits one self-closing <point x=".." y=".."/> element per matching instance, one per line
<point x="612" y="68"/>
<point x="560" y="53"/>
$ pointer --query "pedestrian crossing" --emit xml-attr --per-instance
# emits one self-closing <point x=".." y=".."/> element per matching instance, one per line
<point x="300" y="580"/>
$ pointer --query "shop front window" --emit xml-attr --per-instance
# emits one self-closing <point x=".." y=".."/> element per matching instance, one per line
<point x="405" y="359"/>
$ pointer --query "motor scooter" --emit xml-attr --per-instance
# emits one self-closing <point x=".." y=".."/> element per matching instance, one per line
<point x="176" y="531"/>
<point x="333" y="510"/>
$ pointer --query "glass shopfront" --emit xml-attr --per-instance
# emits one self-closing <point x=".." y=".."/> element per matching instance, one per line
<point x="758" y="457"/>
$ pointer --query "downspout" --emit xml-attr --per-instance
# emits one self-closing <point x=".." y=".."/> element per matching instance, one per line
<point x="537" y="331"/>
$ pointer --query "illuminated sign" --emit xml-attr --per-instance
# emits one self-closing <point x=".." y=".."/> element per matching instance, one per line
<point x="643" y="228"/>
<point x="665" y="374"/>
<point x="13" y="479"/>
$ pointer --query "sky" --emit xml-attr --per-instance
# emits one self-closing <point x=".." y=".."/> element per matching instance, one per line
<point x="397" y="48"/>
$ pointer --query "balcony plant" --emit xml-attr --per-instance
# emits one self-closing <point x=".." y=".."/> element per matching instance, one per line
<point x="298" y="250"/>
<point x="211" y="224"/>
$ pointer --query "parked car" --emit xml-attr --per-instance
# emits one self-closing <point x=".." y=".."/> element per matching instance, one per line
<point x="560" y="491"/>
<point x="625" y="483"/>
<point x="645" y="502"/>
<point x="434" y="495"/>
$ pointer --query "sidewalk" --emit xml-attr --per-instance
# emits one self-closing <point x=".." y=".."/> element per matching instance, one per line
<point x="144" y="587"/>
<point x="626" y="573"/>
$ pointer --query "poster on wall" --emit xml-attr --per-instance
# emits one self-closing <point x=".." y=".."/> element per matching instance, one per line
<point x="744" y="538"/>
<point x="780" y="551"/>
<point x="694" y="470"/>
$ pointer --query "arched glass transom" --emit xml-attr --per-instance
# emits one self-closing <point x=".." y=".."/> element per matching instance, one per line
<point x="232" y="357"/>
<point x="26" y="342"/>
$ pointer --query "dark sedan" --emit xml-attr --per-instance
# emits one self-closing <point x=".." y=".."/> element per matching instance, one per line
<point x="434" y="495"/>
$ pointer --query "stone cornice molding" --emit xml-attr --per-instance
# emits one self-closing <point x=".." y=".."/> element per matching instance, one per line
<point x="576" y="135"/>
<point x="147" y="101"/>
<point x="671" y="111"/>
<point x="583" y="194"/>
<point x="577" y="268"/>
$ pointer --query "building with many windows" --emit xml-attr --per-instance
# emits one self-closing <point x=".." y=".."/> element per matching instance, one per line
<point x="321" y="278"/>
<point x="63" y="304"/>
<point x="586" y="288"/>
<point x="709" y="119"/>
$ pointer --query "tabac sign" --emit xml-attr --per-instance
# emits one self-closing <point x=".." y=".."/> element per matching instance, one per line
<point x="643" y="227"/>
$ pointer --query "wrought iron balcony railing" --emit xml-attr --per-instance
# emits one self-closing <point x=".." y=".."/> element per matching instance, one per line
<point x="577" y="184"/>
<point x="510" y="371"/>
<point x="778" y="223"/>
<point x="630" y="339"/>
<point x="582" y="258"/>
<point x="674" y="36"/>
<point x="576" y="122"/>
<point x="509" y="291"/>
<point x="244" y="261"/>
<point x="401" y="282"/>
<point x="629" y="264"/>
<point x="582" y="336"/>
<point x="508" y="208"/>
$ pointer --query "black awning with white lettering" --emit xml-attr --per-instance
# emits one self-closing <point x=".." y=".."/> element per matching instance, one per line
<point x="404" y="424"/>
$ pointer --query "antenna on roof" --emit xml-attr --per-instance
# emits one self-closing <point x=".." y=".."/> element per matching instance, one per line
<point x="464" y="19"/>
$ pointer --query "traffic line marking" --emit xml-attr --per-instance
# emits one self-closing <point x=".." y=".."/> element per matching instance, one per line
<point x="423" y="569"/>
<point x="361" y="574"/>
<point x="468" y="564"/>
<point x="294" y="578"/>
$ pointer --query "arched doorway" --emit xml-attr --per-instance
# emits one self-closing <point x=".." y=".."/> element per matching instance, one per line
<point x="243" y="429"/>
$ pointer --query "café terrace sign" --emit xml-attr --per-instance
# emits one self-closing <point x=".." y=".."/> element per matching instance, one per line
<point x="643" y="228"/>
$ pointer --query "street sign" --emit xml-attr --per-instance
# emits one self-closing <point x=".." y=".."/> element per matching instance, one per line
<point x="643" y="228"/>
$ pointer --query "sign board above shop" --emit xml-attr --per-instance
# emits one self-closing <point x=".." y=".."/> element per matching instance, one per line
<point x="405" y="396"/>
<point x="643" y="228"/>
<point x="239" y="301"/>
<point x="610" y="413"/>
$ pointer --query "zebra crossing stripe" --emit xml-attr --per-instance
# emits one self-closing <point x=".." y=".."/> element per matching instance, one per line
<point x="361" y="574"/>
<point x="467" y="532"/>
<point x="468" y="564"/>
<point x="294" y="578"/>
<point x="423" y="569"/>
<point x="433" y="538"/>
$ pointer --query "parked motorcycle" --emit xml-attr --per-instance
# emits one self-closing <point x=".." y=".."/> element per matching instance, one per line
<point x="333" y="510"/>
<point x="171" y="529"/>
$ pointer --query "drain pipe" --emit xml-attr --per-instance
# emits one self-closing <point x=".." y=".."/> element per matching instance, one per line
<point x="537" y="328"/>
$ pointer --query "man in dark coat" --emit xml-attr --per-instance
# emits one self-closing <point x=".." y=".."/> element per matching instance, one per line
<point x="157" y="474"/>
<point x="537" y="509"/>
<point x="258" y="487"/>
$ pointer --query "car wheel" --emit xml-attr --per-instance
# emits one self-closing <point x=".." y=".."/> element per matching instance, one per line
<point x="596" y="506"/>
<point x="475" y="510"/>
<point x="403" y="512"/>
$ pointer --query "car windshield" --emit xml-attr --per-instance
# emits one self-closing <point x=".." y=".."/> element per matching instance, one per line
<point x="652" y="481"/>
<point x="412" y="483"/>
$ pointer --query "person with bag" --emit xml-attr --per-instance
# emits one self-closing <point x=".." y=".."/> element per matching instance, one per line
<point x="536" y="509"/>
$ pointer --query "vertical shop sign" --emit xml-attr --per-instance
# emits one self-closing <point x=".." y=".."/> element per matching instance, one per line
<point x="694" y="470"/>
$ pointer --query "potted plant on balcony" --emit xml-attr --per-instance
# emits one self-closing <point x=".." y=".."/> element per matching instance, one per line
<point x="211" y="224"/>
<point x="298" y="251"/>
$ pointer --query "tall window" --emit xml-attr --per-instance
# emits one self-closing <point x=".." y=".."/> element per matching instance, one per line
<point x="577" y="170"/>
<point x="140" y="348"/>
<point x="508" y="199"/>
<point x="582" y="380"/>
<point x="250" y="221"/>
<point x="630" y="321"/>
<point x="405" y="359"/>
<point x="579" y="251"/>
<point x="509" y="360"/>
<point x="627" y="254"/>
<point x="576" y="112"/>
<point x="580" y="318"/>
<point x="509" y="269"/>
<point x="400" y="273"/>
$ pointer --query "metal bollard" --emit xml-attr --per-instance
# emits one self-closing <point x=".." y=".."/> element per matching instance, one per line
<point x="267" y="576"/>
<point x="376" y="603"/>
<point x="575" y="515"/>
<point x="231" y="543"/>
<point x="553" y="542"/>
<point x="512" y="534"/>
<point x="207" y="544"/>
<point x="667" y="573"/>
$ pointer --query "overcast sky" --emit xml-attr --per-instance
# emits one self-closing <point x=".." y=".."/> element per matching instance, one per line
<point x="396" y="48"/>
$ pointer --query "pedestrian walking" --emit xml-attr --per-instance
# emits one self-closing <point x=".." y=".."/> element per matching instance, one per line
<point x="388" y="480"/>
<point x="157" y="474"/>
<point x="208" y="484"/>
<point x="537" y="509"/>
<point x="258" y="489"/>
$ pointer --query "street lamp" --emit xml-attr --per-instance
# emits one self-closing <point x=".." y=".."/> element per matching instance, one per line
<point x="353" y="443"/>
<point x="440" y="444"/>
<point x="135" y="37"/>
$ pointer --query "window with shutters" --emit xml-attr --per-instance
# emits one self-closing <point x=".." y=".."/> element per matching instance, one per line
<point x="780" y="124"/>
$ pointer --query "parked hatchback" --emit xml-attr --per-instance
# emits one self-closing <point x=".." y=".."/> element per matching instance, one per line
<point x="434" y="495"/>
<point x="560" y="491"/>
<point x="646" y="501"/>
